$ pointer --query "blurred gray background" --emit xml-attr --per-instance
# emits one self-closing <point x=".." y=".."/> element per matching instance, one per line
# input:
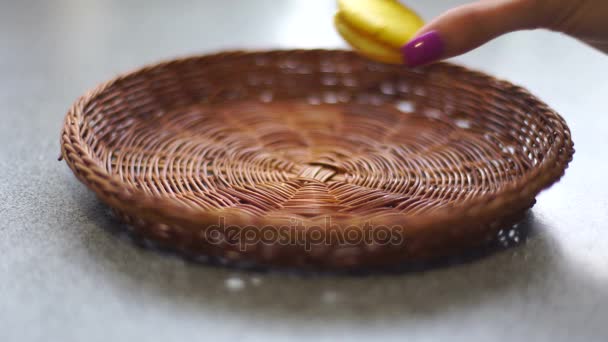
<point x="67" y="275"/>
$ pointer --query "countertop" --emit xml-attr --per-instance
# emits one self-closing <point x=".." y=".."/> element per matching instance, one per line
<point x="67" y="273"/>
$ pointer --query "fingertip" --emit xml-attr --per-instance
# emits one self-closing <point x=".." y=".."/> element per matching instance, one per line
<point x="425" y="48"/>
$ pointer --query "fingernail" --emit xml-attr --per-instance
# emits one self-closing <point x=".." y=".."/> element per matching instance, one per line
<point x="423" y="49"/>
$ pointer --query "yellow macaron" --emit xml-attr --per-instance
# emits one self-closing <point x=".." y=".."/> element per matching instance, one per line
<point x="377" y="29"/>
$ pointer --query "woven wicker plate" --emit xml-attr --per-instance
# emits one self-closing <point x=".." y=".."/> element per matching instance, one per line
<point x="314" y="158"/>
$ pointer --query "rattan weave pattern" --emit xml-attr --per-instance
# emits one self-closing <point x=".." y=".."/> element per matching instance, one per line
<point x="444" y="155"/>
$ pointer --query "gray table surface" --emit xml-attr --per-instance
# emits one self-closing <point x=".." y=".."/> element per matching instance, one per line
<point x="65" y="275"/>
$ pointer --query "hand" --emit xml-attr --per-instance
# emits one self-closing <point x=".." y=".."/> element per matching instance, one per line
<point x="468" y="27"/>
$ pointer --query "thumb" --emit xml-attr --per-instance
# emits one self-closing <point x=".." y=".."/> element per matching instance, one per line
<point x="467" y="27"/>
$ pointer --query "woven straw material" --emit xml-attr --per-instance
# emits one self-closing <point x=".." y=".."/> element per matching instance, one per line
<point x="306" y="143"/>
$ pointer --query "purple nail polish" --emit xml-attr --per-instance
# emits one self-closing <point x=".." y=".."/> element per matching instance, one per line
<point x="423" y="49"/>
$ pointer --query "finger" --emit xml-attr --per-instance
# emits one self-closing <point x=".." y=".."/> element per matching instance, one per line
<point x="467" y="27"/>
